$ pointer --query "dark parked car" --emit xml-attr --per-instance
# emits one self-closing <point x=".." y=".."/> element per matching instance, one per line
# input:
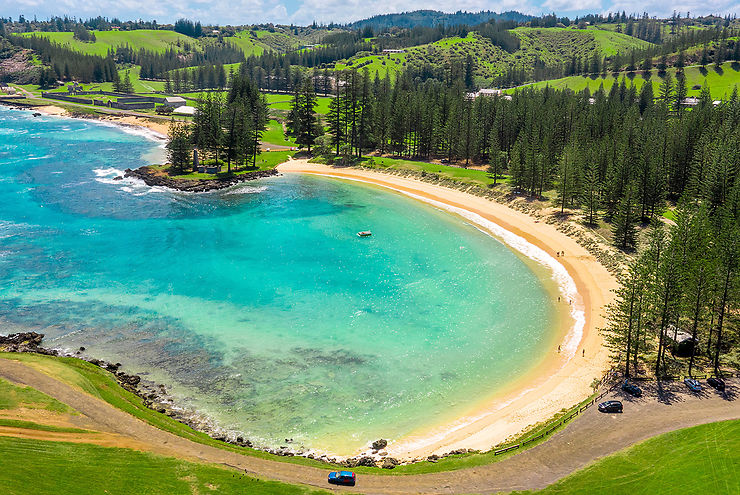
<point x="632" y="389"/>
<point x="717" y="383"/>
<point x="693" y="384"/>
<point x="611" y="406"/>
<point x="342" y="478"/>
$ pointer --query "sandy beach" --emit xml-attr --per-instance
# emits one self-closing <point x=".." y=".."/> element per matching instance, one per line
<point x="161" y="127"/>
<point x="563" y="378"/>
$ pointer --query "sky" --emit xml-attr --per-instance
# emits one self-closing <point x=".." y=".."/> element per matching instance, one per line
<point x="303" y="12"/>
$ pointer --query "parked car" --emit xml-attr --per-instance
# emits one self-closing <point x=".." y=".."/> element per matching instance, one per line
<point x="342" y="478"/>
<point x="632" y="389"/>
<point x="693" y="384"/>
<point x="611" y="406"/>
<point x="717" y="383"/>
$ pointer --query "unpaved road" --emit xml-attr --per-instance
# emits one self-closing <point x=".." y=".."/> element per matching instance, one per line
<point x="590" y="436"/>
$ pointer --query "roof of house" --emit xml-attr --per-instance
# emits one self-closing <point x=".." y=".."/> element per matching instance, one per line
<point x="175" y="99"/>
<point x="184" y="110"/>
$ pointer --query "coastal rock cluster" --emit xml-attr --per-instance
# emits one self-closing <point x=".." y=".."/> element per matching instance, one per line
<point x="25" y="342"/>
<point x="152" y="178"/>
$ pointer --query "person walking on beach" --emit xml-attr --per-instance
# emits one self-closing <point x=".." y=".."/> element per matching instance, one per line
<point x="558" y="349"/>
<point x="584" y="352"/>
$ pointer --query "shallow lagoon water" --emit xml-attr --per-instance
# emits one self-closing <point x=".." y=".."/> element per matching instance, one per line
<point x="259" y="305"/>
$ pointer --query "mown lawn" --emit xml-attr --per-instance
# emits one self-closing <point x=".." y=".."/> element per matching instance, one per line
<point x="274" y="134"/>
<point x="470" y="176"/>
<point x="283" y="102"/>
<point x="34" y="467"/>
<point x="704" y="459"/>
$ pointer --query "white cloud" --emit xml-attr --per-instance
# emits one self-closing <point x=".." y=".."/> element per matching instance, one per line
<point x="572" y="5"/>
<point x="663" y="8"/>
<point x="306" y="11"/>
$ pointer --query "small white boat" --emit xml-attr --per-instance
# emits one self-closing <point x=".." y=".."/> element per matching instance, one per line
<point x="365" y="233"/>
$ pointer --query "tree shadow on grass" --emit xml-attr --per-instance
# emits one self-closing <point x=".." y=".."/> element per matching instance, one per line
<point x="719" y="70"/>
<point x="735" y="66"/>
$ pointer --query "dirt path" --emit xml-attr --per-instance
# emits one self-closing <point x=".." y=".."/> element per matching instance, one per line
<point x="589" y="437"/>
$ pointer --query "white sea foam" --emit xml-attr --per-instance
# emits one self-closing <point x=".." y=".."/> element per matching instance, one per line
<point x="244" y="189"/>
<point x="132" y="185"/>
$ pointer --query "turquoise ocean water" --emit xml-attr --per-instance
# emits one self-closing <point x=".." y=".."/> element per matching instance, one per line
<point x="259" y="305"/>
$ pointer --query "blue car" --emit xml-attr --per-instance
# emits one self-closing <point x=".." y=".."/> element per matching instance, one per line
<point x="693" y="384"/>
<point x="342" y="478"/>
<point x="632" y="389"/>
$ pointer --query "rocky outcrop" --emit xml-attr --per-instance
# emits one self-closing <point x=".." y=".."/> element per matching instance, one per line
<point x="380" y="444"/>
<point x="24" y="342"/>
<point x="157" y="178"/>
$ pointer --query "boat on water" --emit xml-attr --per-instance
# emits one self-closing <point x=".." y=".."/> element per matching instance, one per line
<point x="365" y="233"/>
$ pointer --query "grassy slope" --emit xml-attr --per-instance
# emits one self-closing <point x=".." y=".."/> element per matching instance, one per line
<point x="698" y="460"/>
<point x="721" y="83"/>
<point x="550" y="45"/>
<point x="155" y="40"/>
<point x="80" y="469"/>
<point x="378" y="64"/>
<point x="99" y="383"/>
<point x="14" y="396"/>
<point x="247" y="43"/>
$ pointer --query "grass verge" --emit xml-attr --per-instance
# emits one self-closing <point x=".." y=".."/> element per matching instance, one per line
<point x="82" y="469"/>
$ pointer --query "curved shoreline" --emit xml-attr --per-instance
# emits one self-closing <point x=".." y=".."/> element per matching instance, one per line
<point x="562" y="379"/>
<point x="557" y="382"/>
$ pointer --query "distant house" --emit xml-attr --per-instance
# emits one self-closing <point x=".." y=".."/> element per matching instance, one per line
<point x="175" y="101"/>
<point x="488" y="93"/>
<point x="691" y="101"/>
<point x="115" y="28"/>
<point x="390" y="50"/>
<point x="8" y="90"/>
<point x="184" y="110"/>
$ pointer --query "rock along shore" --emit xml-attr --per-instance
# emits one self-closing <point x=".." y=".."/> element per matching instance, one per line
<point x="156" y="178"/>
<point x="155" y="397"/>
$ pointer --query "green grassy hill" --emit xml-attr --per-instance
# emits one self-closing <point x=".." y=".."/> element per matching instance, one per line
<point x="721" y="82"/>
<point x="553" y="46"/>
<point x="154" y="40"/>
<point x="248" y="44"/>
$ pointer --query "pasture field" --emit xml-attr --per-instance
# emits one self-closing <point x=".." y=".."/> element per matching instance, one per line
<point x="721" y="81"/>
<point x="150" y="39"/>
